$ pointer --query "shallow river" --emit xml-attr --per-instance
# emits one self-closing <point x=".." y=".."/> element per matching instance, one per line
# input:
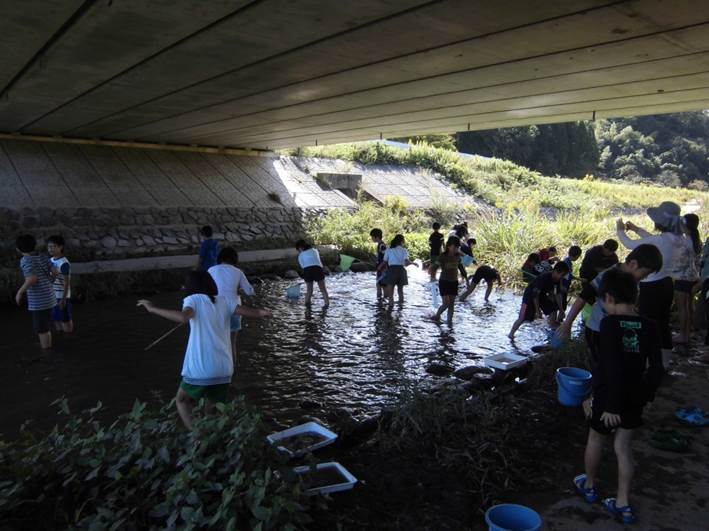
<point x="354" y="355"/>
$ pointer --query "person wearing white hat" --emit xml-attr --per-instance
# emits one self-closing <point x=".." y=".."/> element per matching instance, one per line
<point x="657" y="290"/>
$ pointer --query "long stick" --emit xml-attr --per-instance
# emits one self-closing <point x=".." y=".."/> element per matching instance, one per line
<point x="162" y="337"/>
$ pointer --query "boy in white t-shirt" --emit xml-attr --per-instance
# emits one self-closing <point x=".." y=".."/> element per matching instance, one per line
<point x="209" y="364"/>
<point x="61" y="282"/>
<point x="396" y="258"/>
<point x="313" y="271"/>
<point x="231" y="281"/>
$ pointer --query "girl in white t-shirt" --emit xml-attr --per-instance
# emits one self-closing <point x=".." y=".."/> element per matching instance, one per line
<point x="310" y="263"/>
<point x="209" y="364"/>
<point x="396" y="258"/>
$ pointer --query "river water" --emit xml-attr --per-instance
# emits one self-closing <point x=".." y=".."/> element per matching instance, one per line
<point x="354" y="355"/>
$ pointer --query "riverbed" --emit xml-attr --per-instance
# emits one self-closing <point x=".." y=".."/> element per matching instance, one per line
<point x="355" y="355"/>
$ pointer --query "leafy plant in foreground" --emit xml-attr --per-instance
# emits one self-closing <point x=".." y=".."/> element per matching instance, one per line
<point x="145" y="472"/>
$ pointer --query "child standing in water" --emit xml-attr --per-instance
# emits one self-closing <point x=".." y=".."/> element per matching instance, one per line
<point x="208" y="249"/>
<point x="38" y="286"/>
<point x="310" y="263"/>
<point x="486" y="273"/>
<point x="61" y="272"/>
<point x="627" y="375"/>
<point x="209" y="364"/>
<point x="396" y="258"/>
<point x="542" y="296"/>
<point x="377" y="237"/>
<point x="230" y="280"/>
<point x="448" y="283"/>
<point x="435" y="242"/>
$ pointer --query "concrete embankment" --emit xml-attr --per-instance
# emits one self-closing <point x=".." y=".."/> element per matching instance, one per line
<point x="117" y="203"/>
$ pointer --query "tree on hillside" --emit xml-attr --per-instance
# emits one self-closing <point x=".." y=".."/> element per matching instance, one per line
<point x="443" y="141"/>
<point x="568" y="149"/>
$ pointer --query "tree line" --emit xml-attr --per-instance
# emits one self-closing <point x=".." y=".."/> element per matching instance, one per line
<point x="670" y="149"/>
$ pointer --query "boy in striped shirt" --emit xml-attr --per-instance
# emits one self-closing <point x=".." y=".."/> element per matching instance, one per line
<point x="38" y="286"/>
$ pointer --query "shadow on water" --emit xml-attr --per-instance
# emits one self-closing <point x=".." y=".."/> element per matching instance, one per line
<point x="355" y="355"/>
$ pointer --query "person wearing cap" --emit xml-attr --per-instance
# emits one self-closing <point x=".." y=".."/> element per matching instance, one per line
<point x="657" y="289"/>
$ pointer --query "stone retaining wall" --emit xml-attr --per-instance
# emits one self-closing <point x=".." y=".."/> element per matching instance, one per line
<point x="131" y="232"/>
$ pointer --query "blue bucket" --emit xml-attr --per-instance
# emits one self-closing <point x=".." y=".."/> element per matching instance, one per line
<point x="293" y="291"/>
<point x="574" y="385"/>
<point x="466" y="259"/>
<point x="512" y="517"/>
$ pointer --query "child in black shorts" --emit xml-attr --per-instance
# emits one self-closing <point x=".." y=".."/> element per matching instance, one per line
<point x="486" y="273"/>
<point x="542" y="296"/>
<point x="377" y="237"/>
<point x="626" y="377"/>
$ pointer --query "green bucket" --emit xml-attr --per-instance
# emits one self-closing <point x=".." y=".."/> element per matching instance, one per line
<point x="346" y="262"/>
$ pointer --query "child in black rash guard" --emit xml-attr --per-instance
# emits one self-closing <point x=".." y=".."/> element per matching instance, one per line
<point x="628" y="373"/>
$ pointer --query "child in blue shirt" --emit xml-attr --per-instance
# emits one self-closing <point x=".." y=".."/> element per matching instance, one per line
<point x="208" y="249"/>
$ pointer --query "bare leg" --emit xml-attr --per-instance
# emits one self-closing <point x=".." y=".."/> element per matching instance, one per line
<point x="446" y="302"/>
<point x="233" y="346"/>
<point x="401" y="294"/>
<point x="626" y="467"/>
<point x="68" y="327"/>
<point x="469" y="290"/>
<point x="488" y="291"/>
<point x="451" y="306"/>
<point x="185" y="405"/>
<point x="323" y="291"/>
<point x="592" y="456"/>
<point x="682" y="311"/>
<point x="390" y="294"/>
<point x="45" y="340"/>
<point x="308" y="292"/>
<point x="515" y="326"/>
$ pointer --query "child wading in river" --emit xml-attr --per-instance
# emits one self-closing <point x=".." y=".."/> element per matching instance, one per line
<point x="448" y="282"/>
<point x="542" y="296"/>
<point x="377" y="237"/>
<point x="435" y="242"/>
<point x="209" y="364"/>
<point x="626" y="377"/>
<point x="396" y="258"/>
<point x="38" y="285"/>
<point x="486" y="273"/>
<point x="61" y="273"/>
<point x="310" y="263"/>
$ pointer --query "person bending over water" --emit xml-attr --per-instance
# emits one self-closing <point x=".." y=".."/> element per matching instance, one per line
<point x="309" y="260"/>
<point x="486" y="273"/>
<point x="209" y="364"/>
<point x="543" y="296"/>
<point x="396" y="258"/>
<point x="448" y="282"/>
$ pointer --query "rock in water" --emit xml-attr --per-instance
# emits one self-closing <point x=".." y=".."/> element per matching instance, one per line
<point x="467" y="373"/>
<point x="291" y="274"/>
<point x="439" y="369"/>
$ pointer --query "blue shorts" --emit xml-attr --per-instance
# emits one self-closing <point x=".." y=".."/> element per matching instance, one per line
<point x="62" y="315"/>
<point x="235" y="323"/>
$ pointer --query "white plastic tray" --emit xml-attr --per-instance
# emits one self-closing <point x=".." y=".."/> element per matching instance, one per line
<point x="348" y="480"/>
<point x="505" y="361"/>
<point x="309" y="428"/>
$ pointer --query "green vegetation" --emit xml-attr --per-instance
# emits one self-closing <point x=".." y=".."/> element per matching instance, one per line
<point x="533" y="211"/>
<point x="144" y="471"/>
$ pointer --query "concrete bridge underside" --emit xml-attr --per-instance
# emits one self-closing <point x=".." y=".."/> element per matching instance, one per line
<point x="269" y="74"/>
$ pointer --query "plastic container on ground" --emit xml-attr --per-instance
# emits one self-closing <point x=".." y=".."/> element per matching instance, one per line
<point x="348" y="480"/>
<point x="467" y="260"/>
<point x="512" y="517"/>
<point x="573" y="385"/>
<point x="505" y="361"/>
<point x="309" y="428"/>
<point x="293" y="291"/>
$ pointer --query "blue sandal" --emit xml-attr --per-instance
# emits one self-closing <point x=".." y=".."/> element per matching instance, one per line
<point x="626" y="514"/>
<point x="590" y="495"/>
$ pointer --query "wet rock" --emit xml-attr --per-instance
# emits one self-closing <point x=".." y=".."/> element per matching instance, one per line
<point x="291" y="274"/>
<point x="481" y="380"/>
<point x="467" y="373"/>
<point x="439" y="369"/>
<point x="108" y="242"/>
<point x="309" y="404"/>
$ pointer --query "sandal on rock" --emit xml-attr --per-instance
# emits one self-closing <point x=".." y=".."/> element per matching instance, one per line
<point x="693" y="415"/>
<point x="590" y="494"/>
<point x="626" y="514"/>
